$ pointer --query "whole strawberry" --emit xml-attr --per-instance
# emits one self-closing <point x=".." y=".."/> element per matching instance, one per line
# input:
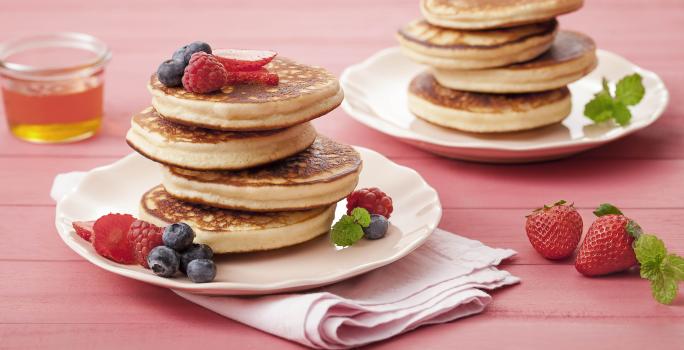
<point x="607" y="247"/>
<point x="555" y="230"/>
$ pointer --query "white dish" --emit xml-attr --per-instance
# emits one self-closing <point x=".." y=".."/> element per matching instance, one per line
<point x="376" y="95"/>
<point x="119" y="186"/>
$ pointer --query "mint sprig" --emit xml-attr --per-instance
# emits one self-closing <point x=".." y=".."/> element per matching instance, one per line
<point x="349" y="228"/>
<point x="629" y="91"/>
<point x="662" y="269"/>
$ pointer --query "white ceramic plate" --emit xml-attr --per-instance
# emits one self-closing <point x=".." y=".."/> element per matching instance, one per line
<point x="119" y="186"/>
<point x="376" y="94"/>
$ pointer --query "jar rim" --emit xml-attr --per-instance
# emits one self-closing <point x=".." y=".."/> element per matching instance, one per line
<point x="61" y="39"/>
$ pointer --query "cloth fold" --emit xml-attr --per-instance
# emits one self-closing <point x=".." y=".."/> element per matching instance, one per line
<point x="443" y="280"/>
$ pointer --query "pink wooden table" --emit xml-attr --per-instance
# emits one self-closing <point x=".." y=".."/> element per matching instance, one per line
<point x="49" y="297"/>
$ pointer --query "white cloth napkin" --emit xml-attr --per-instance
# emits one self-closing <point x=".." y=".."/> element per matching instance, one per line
<point x="441" y="281"/>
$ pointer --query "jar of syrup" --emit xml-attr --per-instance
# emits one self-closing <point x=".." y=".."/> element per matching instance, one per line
<point x="52" y="86"/>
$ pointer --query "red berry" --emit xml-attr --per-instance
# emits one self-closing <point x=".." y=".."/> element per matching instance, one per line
<point x="260" y="75"/>
<point x="241" y="60"/>
<point x="204" y="74"/>
<point x="372" y="199"/>
<point x="84" y="229"/>
<point x="607" y="247"/>
<point x="110" y="237"/>
<point x="554" y="231"/>
<point x="144" y="236"/>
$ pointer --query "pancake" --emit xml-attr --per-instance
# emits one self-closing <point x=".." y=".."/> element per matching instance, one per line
<point x="228" y="231"/>
<point x="318" y="176"/>
<point x="487" y="14"/>
<point x="461" y="49"/>
<point x="203" y="149"/>
<point x="482" y="112"/>
<point x="304" y="93"/>
<point x="571" y="57"/>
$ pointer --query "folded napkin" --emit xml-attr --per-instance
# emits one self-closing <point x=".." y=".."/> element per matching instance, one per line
<point x="439" y="282"/>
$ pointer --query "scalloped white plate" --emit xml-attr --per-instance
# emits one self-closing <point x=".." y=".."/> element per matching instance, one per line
<point x="118" y="187"/>
<point x="375" y="95"/>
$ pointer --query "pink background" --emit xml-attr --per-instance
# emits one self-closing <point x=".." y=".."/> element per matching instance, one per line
<point x="49" y="297"/>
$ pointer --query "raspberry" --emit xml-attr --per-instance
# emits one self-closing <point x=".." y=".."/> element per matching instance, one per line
<point x="204" y="74"/>
<point x="142" y="237"/>
<point x="372" y="199"/>
<point x="84" y="229"/>
<point x="253" y="76"/>
<point x="110" y="237"/>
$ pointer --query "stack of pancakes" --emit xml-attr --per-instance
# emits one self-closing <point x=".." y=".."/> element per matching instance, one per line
<point x="495" y="65"/>
<point x="244" y="166"/>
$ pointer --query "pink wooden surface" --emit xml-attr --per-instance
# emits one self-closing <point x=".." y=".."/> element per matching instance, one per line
<point x="49" y="297"/>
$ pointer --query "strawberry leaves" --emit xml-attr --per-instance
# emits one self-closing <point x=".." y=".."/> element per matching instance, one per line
<point x="663" y="270"/>
<point x="629" y="91"/>
<point x="606" y="209"/>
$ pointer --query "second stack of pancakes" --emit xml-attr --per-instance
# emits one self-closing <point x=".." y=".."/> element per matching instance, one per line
<point x="495" y="65"/>
<point x="244" y="166"/>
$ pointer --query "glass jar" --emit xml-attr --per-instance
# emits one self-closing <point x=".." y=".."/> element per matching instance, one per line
<point x="52" y="86"/>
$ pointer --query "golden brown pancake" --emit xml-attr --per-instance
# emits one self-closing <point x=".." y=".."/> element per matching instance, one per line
<point x="303" y="93"/>
<point x="571" y="57"/>
<point x="190" y="147"/>
<point x="461" y="49"/>
<point x="483" y="112"/>
<point x="487" y="14"/>
<point x="236" y="231"/>
<point x="321" y="175"/>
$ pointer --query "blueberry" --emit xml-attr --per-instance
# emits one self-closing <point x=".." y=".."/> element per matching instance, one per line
<point x="178" y="236"/>
<point x="170" y="73"/>
<point x="163" y="261"/>
<point x="196" y="251"/>
<point x="377" y="228"/>
<point x="184" y="53"/>
<point x="201" y="270"/>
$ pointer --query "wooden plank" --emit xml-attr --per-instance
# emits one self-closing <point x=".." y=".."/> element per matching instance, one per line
<point x="507" y="231"/>
<point x="50" y="292"/>
<point x="587" y="182"/>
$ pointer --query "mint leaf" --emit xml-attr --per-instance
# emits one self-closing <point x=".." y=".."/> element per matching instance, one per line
<point x="621" y="113"/>
<point x="673" y="266"/>
<point x="600" y="108"/>
<point x="630" y="90"/>
<point x="649" y="248"/>
<point x="604" y="106"/>
<point x="361" y="216"/>
<point x="607" y="208"/>
<point x="664" y="289"/>
<point x="346" y="231"/>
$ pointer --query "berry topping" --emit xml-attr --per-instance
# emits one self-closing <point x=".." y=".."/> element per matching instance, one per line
<point x="143" y="237"/>
<point x="84" y="229"/>
<point x="377" y="227"/>
<point x="163" y="261"/>
<point x="110" y="237"/>
<point x="201" y="270"/>
<point x="170" y="73"/>
<point x="178" y="236"/>
<point x="241" y="60"/>
<point x="554" y="231"/>
<point x="185" y="53"/>
<point x="372" y="199"/>
<point x="260" y="75"/>
<point x="196" y="251"/>
<point x="204" y="74"/>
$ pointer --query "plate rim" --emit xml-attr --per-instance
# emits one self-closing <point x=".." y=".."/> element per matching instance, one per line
<point x="237" y="288"/>
<point x="390" y="129"/>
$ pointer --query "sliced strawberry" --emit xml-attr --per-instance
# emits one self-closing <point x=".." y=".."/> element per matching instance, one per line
<point x="239" y="60"/>
<point x="253" y="76"/>
<point x="110" y="238"/>
<point x="84" y="229"/>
